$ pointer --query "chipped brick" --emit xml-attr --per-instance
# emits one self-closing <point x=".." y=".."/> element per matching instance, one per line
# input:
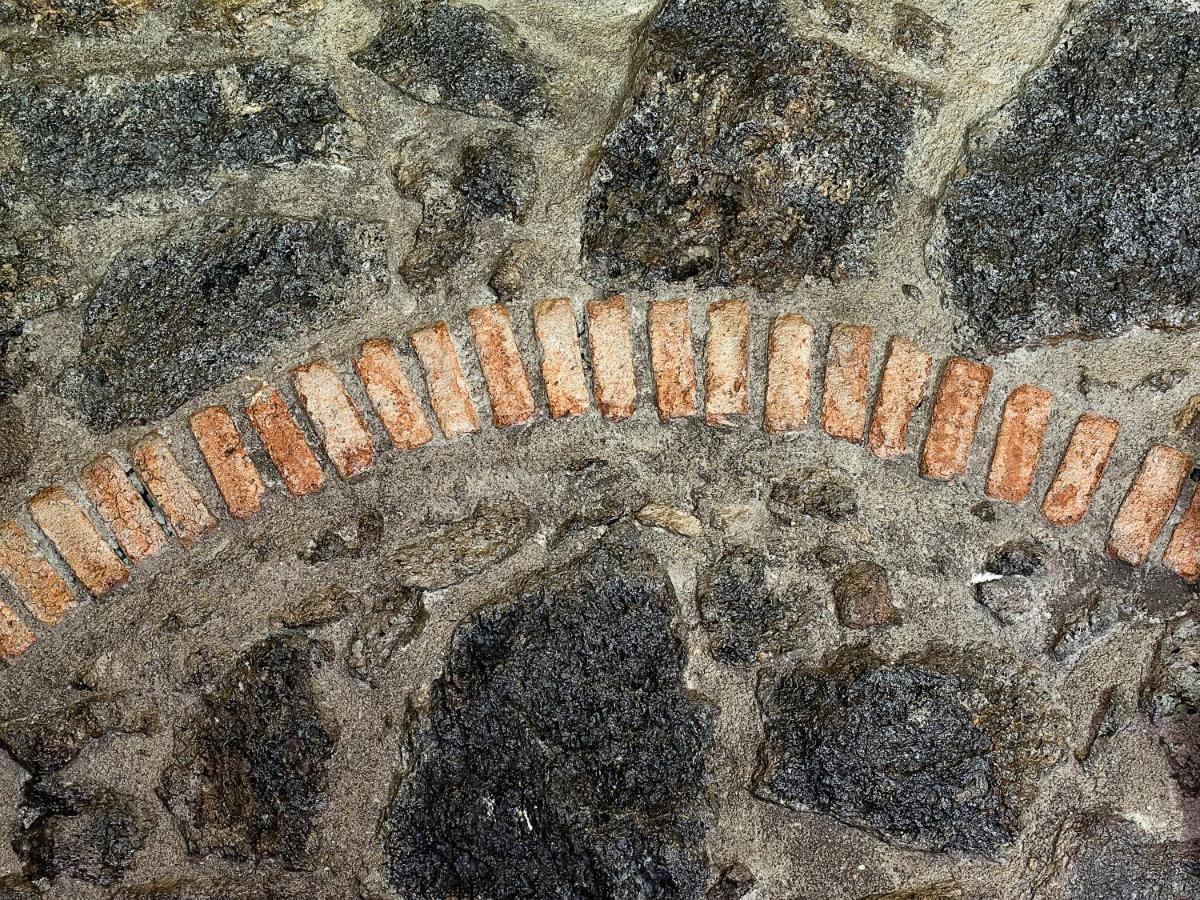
<point x="171" y="488"/>
<point x="296" y="462"/>
<point x="392" y="395"/>
<point x="123" y="508"/>
<point x="81" y="546"/>
<point x="789" y="374"/>
<point x="232" y="469"/>
<point x="45" y="593"/>
<point x="1079" y="473"/>
<point x="610" y="343"/>
<point x="726" y="372"/>
<point x="671" y="358"/>
<point x="955" y="419"/>
<point x="562" y="363"/>
<point x="901" y="390"/>
<point x="338" y="420"/>
<point x="503" y="369"/>
<point x="15" y="636"/>
<point x="1183" y="552"/>
<point x="1148" y="504"/>
<point x="448" y="393"/>
<point x="847" y="376"/>
<point x="1019" y="443"/>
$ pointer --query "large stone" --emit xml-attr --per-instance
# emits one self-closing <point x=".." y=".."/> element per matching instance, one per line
<point x="561" y="756"/>
<point x="744" y="617"/>
<point x="1174" y="701"/>
<point x="493" y="532"/>
<point x="1073" y="213"/>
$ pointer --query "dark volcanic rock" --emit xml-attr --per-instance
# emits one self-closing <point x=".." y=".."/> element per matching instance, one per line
<point x="941" y="752"/>
<point x="493" y="532"/>
<point x="744" y="155"/>
<point x="562" y="756"/>
<point x="73" y="16"/>
<point x="742" y="615"/>
<point x="1076" y="218"/>
<point x="50" y="741"/>
<point x="250" y="769"/>
<point x="461" y="57"/>
<point x="813" y="494"/>
<point x="171" y="321"/>
<point x="862" y="596"/>
<point x="1174" y="701"/>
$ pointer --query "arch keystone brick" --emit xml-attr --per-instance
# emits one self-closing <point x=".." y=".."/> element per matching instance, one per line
<point x="727" y="363"/>
<point x="901" y="390"/>
<point x="123" y="509"/>
<point x="232" y="469"/>
<point x="81" y="546"/>
<point x="338" y="420"/>
<point x="1148" y="504"/>
<point x="847" y="373"/>
<point x="671" y="358"/>
<point x="171" y="488"/>
<point x="610" y="343"/>
<point x="955" y="420"/>
<point x="1183" y="552"/>
<point x="1019" y="443"/>
<point x="562" y="363"/>
<point x="390" y="393"/>
<point x="503" y="369"/>
<point x="1080" y="470"/>
<point x="285" y="443"/>
<point x="789" y="374"/>
<point x="15" y="636"/>
<point x="45" y="593"/>
<point x="448" y="393"/>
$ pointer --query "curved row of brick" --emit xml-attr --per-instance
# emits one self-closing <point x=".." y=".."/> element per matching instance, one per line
<point x="846" y="414"/>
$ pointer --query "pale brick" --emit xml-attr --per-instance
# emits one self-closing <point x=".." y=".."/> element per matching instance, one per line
<point x="671" y="358"/>
<point x="171" y="488"/>
<point x="503" y="369"/>
<point x="789" y="374"/>
<point x="1079" y="473"/>
<point x="15" y="636"/>
<point x="610" y="345"/>
<point x="726" y="364"/>
<point x="123" y="508"/>
<point x="338" y="420"/>
<point x="562" y="363"/>
<point x="448" y="393"/>
<point x="285" y="443"/>
<point x="1148" y="504"/>
<point x="955" y="420"/>
<point x="45" y="593"/>
<point x="847" y="377"/>
<point x="1183" y="552"/>
<point x="1019" y="443"/>
<point x="392" y="395"/>
<point x="901" y="390"/>
<point x="80" y="545"/>
<point x="225" y="454"/>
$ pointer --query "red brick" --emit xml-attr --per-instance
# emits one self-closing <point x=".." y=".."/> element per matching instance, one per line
<point x="285" y="442"/>
<point x="448" y="393"/>
<point x="956" y="413"/>
<point x="789" y="374"/>
<point x="1019" y="443"/>
<point x="901" y="390"/>
<point x="123" y="508"/>
<point x="503" y="369"/>
<point x="232" y="469"/>
<point x="1148" y="504"/>
<point x="338" y="420"/>
<point x="171" y="488"/>
<point x="15" y="636"/>
<point x="81" y="546"/>
<point x="1183" y="552"/>
<point x="671" y="358"/>
<point x="1079" y="473"/>
<point x="46" y="595"/>
<point x="392" y="395"/>
<point x="847" y="376"/>
<point x="726" y="364"/>
<point x="610" y="344"/>
<point x="562" y="363"/>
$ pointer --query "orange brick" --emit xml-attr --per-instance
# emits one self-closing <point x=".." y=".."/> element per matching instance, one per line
<point x="123" y="509"/>
<point x="1183" y="552"/>
<point x="232" y="469"/>
<point x="610" y="344"/>
<point x="1148" y="504"/>
<point x="726" y="364"/>
<point x="955" y="419"/>
<point x="847" y="376"/>
<point x="671" y="358"/>
<point x="81" y="546"/>
<point x="46" y="594"/>
<point x="15" y="636"/>
<point x="1019" y="443"/>
<point x="562" y="363"/>
<point x="789" y="374"/>
<point x="1079" y="473"/>
<point x="390" y="393"/>
<point x="448" y="394"/>
<point x="171" y="488"/>
<point x="338" y="420"/>
<point x="503" y="369"/>
<point x="901" y="390"/>
<point x="285" y="442"/>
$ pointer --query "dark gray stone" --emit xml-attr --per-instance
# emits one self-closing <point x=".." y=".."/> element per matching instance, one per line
<point x="446" y="555"/>
<point x="812" y="495"/>
<point x="862" y="596"/>
<point x="395" y="617"/>
<point x="49" y="741"/>
<point x="1173" y="701"/>
<point x="743" y="617"/>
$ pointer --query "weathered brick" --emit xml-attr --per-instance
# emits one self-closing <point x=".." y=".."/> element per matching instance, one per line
<point x="1019" y="443"/>
<point x="448" y="393"/>
<point x="1148" y="504"/>
<point x="171" y="488"/>
<point x="503" y="369"/>
<point x="285" y="443"/>
<point x="671" y="358"/>
<point x="956" y="412"/>
<point x="726" y="364"/>
<point x="81" y="546"/>
<point x="1080" y="470"/>
<point x="847" y="376"/>
<point x="232" y="469"/>
<point x="562" y="363"/>
<point x="338" y="420"/>
<point x="610" y="345"/>
<point x="45" y="593"/>
<point x="1183" y="551"/>
<point x="123" y="508"/>
<point x="15" y="636"/>
<point x="392" y="395"/>
<point x="901" y="390"/>
<point x="789" y="374"/>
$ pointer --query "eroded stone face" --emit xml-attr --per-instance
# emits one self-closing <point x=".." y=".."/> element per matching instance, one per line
<point x="742" y="613"/>
<point x="1174" y="702"/>
<point x="494" y="531"/>
<point x="49" y="741"/>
